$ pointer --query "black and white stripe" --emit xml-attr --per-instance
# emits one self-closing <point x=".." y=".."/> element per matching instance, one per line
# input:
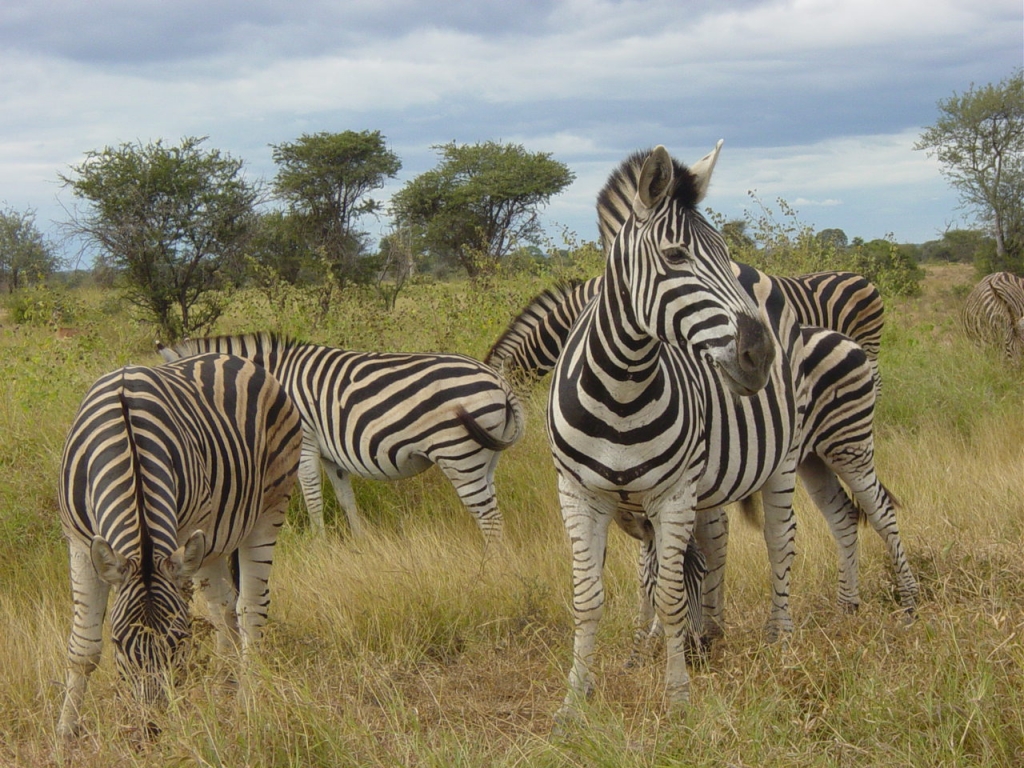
<point x="840" y="301"/>
<point x="166" y="471"/>
<point x="386" y="416"/>
<point x="642" y="417"/>
<point x="994" y="313"/>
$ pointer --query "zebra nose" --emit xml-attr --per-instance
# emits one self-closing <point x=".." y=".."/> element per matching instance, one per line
<point x="755" y="350"/>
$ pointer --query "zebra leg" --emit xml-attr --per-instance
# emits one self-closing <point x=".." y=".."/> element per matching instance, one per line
<point x="779" y="536"/>
<point x="475" y="486"/>
<point x="587" y="527"/>
<point x="255" y="557"/>
<point x="880" y="509"/>
<point x="672" y="519"/>
<point x="310" y="480"/>
<point x="341" y="481"/>
<point x="214" y="580"/>
<point x="711" y="532"/>
<point x="842" y="517"/>
<point x="85" y="644"/>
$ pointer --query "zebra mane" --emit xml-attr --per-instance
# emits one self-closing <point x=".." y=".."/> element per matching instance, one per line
<point x="145" y="538"/>
<point x="615" y="200"/>
<point x="256" y="346"/>
<point x="517" y="335"/>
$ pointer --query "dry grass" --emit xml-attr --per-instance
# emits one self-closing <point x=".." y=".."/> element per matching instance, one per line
<point x="416" y="647"/>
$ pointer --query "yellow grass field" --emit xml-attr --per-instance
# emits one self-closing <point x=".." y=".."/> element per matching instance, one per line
<point x="416" y="647"/>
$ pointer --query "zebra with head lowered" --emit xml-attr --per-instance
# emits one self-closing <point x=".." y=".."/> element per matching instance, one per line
<point x="994" y="313"/>
<point x="167" y="472"/>
<point x="643" y="417"/>
<point x="386" y="416"/>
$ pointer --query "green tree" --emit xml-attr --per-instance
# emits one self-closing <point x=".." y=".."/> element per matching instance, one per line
<point x="24" y="252"/>
<point x="326" y="178"/>
<point x="480" y="203"/>
<point x="168" y="219"/>
<point x="979" y="140"/>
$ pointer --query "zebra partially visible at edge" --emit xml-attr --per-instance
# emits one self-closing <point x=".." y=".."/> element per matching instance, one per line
<point x="386" y="416"/>
<point x="993" y="313"/>
<point x="165" y="473"/>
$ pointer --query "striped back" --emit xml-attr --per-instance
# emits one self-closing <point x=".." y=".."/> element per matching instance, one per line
<point x="164" y="469"/>
<point x="994" y="313"/>
<point x="534" y="340"/>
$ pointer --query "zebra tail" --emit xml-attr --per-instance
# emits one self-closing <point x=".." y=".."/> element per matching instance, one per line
<point x="485" y="438"/>
<point x="167" y="353"/>
<point x="751" y="509"/>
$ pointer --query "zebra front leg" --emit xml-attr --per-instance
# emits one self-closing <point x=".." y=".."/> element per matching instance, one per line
<point x="587" y="527"/>
<point x="672" y="520"/>
<point x="711" y="534"/>
<point x="341" y="481"/>
<point x="842" y="517"/>
<point x="85" y="643"/>
<point x="780" y="539"/>
<point x="310" y="481"/>
<point x="214" y="581"/>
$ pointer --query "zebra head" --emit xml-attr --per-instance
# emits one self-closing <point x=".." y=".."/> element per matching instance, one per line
<point x="150" y="617"/>
<point x="672" y="268"/>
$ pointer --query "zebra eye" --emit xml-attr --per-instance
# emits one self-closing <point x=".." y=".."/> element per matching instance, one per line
<point x="677" y="255"/>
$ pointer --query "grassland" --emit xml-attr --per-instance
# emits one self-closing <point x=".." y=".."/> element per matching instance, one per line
<point x="416" y="647"/>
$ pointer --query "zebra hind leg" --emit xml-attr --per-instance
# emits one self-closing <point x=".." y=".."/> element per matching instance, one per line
<point x="842" y="517"/>
<point x="475" y="487"/>
<point x="341" y="481"/>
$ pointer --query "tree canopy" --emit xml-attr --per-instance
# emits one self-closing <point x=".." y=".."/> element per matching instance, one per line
<point x="979" y="140"/>
<point x="24" y="251"/>
<point x="326" y="178"/>
<point x="481" y="202"/>
<point x="168" y="219"/>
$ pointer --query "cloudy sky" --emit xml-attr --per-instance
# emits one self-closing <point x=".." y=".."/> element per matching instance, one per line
<point x="819" y="101"/>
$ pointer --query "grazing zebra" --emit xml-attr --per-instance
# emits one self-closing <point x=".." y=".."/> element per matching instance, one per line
<point x="165" y="473"/>
<point x="994" y="313"/>
<point x="841" y="301"/>
<point x="643" y="417"/>
<point x="387" y="416"/>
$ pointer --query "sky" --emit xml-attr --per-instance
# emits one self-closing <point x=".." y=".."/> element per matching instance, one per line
<point x="819" y="102"/>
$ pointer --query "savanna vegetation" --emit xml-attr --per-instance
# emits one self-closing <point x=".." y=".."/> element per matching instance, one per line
<point x="418" y="647"/>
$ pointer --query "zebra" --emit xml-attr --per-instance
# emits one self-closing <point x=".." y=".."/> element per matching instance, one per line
<point x="675" y="383"/>
<point x="994" y="313"/>
<point x="387" y="416"/>
<point x="167" y="472"/>
<point x="841" y="301"/>
<point x="840" y="409"/>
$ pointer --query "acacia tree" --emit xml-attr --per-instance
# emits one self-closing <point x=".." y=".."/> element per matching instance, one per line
<point x="23" y="249"/>
<point x="326" y="178"/>
<point x="979" y="139"/>
<point x="168" y="219"/>
<point x="481" y="202"/>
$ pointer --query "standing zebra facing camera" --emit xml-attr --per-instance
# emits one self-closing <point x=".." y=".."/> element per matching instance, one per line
<point x="387" y="416"/>
<point x="676" y="384"/>
<point x="166" y="473"/>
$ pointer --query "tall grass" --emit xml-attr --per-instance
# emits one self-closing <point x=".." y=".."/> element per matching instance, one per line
<point x="419" y="647"/>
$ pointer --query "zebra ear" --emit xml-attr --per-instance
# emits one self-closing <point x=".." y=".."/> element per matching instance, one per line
<point x="168" y="354"/>
<point x="187" y="558"/>
<point x="702" y="169"/>
<point x="655" y="182"/>
<point x="111" y="566"/>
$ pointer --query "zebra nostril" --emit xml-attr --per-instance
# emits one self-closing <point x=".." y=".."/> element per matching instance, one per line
<point x="754" y="348"/>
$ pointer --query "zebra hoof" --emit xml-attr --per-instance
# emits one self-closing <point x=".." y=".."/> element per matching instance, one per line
<point x="848" y="608"/>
